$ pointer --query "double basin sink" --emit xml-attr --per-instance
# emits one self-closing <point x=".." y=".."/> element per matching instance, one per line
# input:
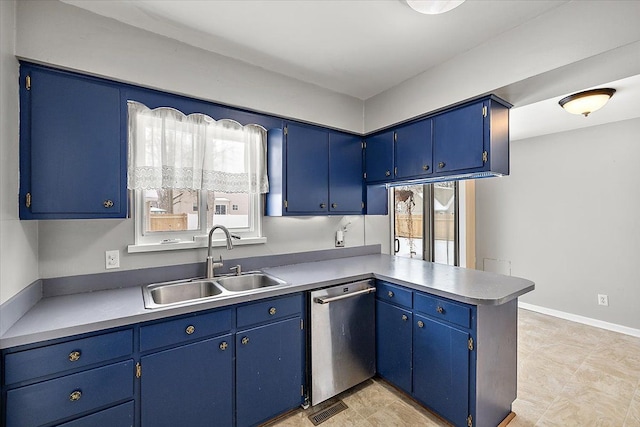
<point x="186" y="292"/>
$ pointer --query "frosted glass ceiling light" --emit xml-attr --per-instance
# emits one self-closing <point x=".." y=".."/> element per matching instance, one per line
<point x="586" y="102"/>
<point x="433" y="7"/>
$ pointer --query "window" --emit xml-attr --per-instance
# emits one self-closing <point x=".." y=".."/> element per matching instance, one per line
<point x="426" y="222"/>
<point x="191" y="172"/>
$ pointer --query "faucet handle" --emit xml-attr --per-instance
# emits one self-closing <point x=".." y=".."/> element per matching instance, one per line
<point x="236" y="269"/>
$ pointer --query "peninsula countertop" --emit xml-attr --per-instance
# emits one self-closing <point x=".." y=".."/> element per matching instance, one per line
<point x="84" y="312"/>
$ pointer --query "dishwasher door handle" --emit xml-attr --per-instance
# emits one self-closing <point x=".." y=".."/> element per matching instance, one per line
<point x="345" y="296"/>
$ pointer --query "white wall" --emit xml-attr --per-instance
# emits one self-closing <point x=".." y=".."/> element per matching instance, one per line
<point x="18" y="240"/>
<point x="567" y="218"/>
<point x="515" y="55"/>
<point x="58" y="34"/>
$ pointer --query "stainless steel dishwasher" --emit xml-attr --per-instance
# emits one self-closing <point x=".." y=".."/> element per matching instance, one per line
<point x="343" y="346"/>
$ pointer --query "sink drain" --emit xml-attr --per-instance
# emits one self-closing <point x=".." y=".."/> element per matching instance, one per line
<point x="327" y="412"/>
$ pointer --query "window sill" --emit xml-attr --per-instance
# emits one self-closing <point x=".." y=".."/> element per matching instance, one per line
<point x="188" y="244"/>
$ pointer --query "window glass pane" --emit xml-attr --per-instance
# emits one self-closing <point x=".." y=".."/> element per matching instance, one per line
<point x="408" y="205"/>
<point x="444" y="222"/>
<point x="170" y="210"/>
<point x="229" y="209"/>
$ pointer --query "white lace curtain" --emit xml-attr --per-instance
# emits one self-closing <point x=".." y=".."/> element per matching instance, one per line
<point x="168" y="149"/>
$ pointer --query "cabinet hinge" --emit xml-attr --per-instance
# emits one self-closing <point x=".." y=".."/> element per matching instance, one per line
<point x="485" y="157"/>
<point x="470" y="344"/>
<point x="301" y="389"/>
<point x="395" y="137"/>
<point x="27" y="82"/>
<point x="138" y="370"/>
<point x="364" y="144"/>
<point x="484" y="111"/>
<point x="365" y="175"/>
<point x="27" y="200"/>
<point x="362" y="204"/>
<point x="286" y="130"/>
<point x="395" y="171"/>
<point x="286" y="204"/>
<point x="301" y="324"/>
<point x="469" y="421"/>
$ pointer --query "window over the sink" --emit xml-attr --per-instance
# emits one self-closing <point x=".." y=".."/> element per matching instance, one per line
<point x="191" y="172"/>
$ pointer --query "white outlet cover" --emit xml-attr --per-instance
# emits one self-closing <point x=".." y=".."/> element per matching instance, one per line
<point x="112" y="259"/>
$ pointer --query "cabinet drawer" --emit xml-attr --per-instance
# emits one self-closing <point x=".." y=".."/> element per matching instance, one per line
<point x="52" y="400"/>
<point x="184" y="329"/>
<point x="394" y="294"/>
<point x="269" y="310"/>
<point x="38" y="362"/>
<point x="118" y="416"/>
<point x="440" y="308"/>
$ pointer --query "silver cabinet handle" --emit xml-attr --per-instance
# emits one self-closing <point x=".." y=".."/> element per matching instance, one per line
<point x="345" y="296"/>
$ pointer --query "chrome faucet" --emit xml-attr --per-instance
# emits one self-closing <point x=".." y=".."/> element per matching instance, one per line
<point x="211" y="264"/>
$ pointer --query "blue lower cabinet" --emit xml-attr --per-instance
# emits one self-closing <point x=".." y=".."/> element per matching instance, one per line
<point x="61" y="398"/>
<point x="441" y="368"/>
<point x="189" y="386"/>
<point x="393" y="344"/>
<point x="118" y="416"/>
<point x="268" y="371"/>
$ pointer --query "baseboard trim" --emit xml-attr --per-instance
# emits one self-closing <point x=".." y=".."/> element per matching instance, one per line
<point x="581" y="319"/>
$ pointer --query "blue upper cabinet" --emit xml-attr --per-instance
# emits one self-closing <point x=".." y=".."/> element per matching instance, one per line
<point x="313" y="171"/>
<point x="72" y="147"/>
<point x="413" y="150"/>
<point x="472" y="138"/>
<point x="379" y="157"/>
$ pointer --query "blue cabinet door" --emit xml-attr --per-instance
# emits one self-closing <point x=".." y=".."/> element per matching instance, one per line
<point x="345" y="173"/>
<point x="414" y="150"/>
<point x="189" y="385"/>
<point x="393" y="344"/>
<point x="458" y="138"/>
<point x="441" y="368"/>
<point x="307" y="165"/>
<point x="73" y="135"/>
<point x="379" y="157"/>
<point x="268" y="371"/>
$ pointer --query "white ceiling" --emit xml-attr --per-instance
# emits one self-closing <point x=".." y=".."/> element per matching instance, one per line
<point x="361" y="47"/>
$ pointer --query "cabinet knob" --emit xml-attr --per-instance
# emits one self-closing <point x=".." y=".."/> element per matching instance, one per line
<point x="425" y="167"/>
<point x="108" y="203"/>
<point x="390" y="294"/>
<point x="190" y="329"/>
<point x="223" y="345"/>
<point x="441" y="165"/>
<point x="440" y="310"/>
<point x="387" y="173"/>
<point x="420" y="324"/>
<point x="74" y="356"/>
<point x="323" y="205"/>
<point x="272" y="311"/>
<point x="334" y="205"/>
<point x="75" y="395"/>
<point x="245" y="340"/>
<point x="404" y="317"/>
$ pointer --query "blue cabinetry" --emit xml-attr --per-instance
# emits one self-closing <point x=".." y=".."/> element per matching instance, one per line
<point x="314" y="171"/>
<point x="413" y="150"/>
<point x="73" y="147"/>
<point x="394" y="344"/>
<point x="379" y="157"/>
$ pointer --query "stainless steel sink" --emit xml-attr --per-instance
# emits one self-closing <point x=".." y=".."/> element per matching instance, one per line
<point x="247" y="282"/>
<point x="162" y="294"/>
<point x="186" y="292"/>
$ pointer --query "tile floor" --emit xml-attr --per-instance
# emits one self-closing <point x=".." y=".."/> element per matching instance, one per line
<point x="569" y="374"/>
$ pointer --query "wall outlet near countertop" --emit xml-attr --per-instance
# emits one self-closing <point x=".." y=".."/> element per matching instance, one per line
<point x="112" y="259"/>
<point x="603" y="299"/>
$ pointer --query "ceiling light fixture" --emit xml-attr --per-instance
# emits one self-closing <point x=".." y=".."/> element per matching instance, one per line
<point x="586" y="102"/>
<point x="433" y="7"/>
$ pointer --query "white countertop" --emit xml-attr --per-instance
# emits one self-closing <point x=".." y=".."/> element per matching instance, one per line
<point x="67" y="315"/>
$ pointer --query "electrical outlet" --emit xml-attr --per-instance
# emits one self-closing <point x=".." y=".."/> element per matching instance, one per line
<point x="112" y="259"/>
<point x="603" y="299"/>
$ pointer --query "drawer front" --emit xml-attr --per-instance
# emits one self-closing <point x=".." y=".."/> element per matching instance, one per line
<point x="441" y="308"/>
<point x="118" y="416"/>
<point x="184" y="329"/>
<point x="269" y="310"/>
<point x="38" y="362"/>
<point x="52" y="400"/>
<point x="394" y="294"/>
